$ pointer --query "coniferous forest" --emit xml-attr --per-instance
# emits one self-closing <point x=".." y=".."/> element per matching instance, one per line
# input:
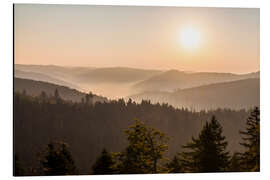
<point x="53" y="136"/>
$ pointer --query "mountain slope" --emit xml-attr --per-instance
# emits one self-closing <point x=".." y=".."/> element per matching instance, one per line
<point x="68" y="74"/>
<point x="34" y="88"/>
<point x="91" y="75"/>
<point x="235" y="94"/>
<point x="112" y="82"/>
<point x="116" y="75"/>
<point x="42" y="77"/>
<point x="174" y="79"/>
<point x="89" y="129"/>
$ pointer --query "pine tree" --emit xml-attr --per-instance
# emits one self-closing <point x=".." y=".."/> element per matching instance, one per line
<point x="174" y="166"/>
<point x="146" y="147"/>
<point x="89" y="97"/>
<point x="207" y="153"/>
<point x="56" y="94"/>
<point x="43" y="96"/>
<point x="235" y="165"/>
<point x="58" y="160"/>
<point x="250" y="159"/>
<point x="104" y="164"/>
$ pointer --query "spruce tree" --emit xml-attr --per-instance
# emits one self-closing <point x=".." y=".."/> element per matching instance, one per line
<point x="174" y="166"/>
<point x="207" y="153"/>
<point x="56" y="94"/>
<point x="235" y="165"/>
<point x="58" y="160"/>
<point x="104" y="164"/>
<point x="89" y="98"/>
<point x="250" y="159"/>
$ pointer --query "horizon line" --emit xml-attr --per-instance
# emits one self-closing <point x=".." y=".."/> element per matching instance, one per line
<point x="155" y="69"/>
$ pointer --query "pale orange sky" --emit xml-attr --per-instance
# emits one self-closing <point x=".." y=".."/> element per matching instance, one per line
<point x="139" y="37"/>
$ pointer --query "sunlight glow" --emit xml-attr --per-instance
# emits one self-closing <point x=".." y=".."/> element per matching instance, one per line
<point x="190" y="38"/>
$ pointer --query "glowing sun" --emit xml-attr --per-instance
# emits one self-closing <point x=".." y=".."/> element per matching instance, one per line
<point x="190" y="38"/>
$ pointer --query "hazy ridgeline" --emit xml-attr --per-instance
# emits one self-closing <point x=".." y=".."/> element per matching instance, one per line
<point x="195" y="90"/>
<point x="89" y="128"/>
<point x="234" y="94"/>
<point x="36" y="88"/>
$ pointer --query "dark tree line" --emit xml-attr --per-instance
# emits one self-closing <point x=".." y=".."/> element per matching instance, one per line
<point x="143" y="150"/>
<point x="206" y="153"/>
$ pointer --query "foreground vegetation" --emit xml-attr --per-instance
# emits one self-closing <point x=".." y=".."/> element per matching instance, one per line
<point x="145" y="149"/>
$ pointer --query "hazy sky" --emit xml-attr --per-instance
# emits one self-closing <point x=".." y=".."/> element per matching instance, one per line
<point x="140" y="37"/>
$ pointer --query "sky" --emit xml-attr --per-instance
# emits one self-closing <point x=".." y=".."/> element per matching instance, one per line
<point x="138" y="37"/>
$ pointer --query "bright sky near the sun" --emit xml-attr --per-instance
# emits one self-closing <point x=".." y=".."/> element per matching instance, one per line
<point x="191" y="39"/>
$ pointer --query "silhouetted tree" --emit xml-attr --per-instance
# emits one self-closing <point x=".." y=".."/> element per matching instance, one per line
<point x="43" y="95"/>
<point x="146" y="147"/>
<point x="207" y="153"/>
<point x="250" y="159"/>
<point x="174" y="166"/>
<point x="235" y="165"/>
<point x="58" y="160"/>
<point x="56" y="94"/>
<point x="104" y="164"/>
<point x="36" y="120"/>
<point x="82" y="100"/>
<point x="18" y="169"/>
<point x="88" y="97"/>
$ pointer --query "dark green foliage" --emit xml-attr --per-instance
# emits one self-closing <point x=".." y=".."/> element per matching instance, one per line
<point x="57" y="160"/>
<point x="146" y="148"/>
<point x="250" y="159"/>
<point x="235" y="165"/>
<point x="38" y="120"/>
<point x="18" y="170"/>
<point x="207" y="153"/>
<point x="104" y="164"/>
<point x="174" y="166"/>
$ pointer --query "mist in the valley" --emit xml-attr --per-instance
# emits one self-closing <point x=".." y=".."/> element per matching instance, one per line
<point x="194" y="90"/>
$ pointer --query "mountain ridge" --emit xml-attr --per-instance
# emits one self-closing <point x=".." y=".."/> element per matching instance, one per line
<point x="35" y="88"/>
<point x="237" y="94"/>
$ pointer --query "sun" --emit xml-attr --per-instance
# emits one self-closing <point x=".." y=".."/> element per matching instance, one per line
<point x="190" y="38"/>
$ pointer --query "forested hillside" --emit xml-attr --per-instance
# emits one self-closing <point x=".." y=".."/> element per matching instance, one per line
<point x="42" y="77"/>
<point x="35" y="88"/>
<point x="90" y="128"/>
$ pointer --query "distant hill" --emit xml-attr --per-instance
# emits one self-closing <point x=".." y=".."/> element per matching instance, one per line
<point x="42" y="77"/>
<point x="112" y="82"/>
<point x="91" y="74"/>
<point x="116" y="75"/>
<point x="236" y="94"/>
<point x="173" y="79"/>
<point x="118" y="82"/>
<point x="34" y="88"/>
<point x="68" y="74"/>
